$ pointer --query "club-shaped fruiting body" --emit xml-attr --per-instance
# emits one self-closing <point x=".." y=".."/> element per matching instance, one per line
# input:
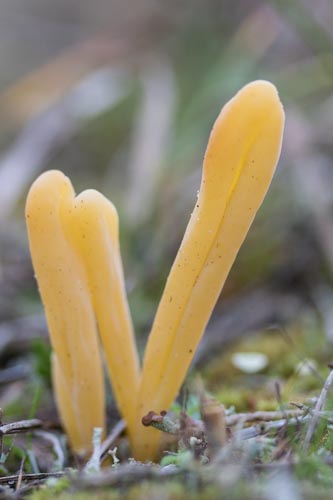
<point x="64" y="289"/>
<point x="240" y="160"/>
<point x="75" y="252"/>
<point x="92" y="227"/>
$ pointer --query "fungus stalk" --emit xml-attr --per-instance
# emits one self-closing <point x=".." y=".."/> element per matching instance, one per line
<point x="241" y="156"/>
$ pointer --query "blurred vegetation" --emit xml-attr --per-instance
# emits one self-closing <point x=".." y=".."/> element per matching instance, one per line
<point x="122" y="97"/>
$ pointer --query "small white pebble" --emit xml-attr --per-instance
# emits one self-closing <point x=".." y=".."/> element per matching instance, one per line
<point x="250" y="362"/>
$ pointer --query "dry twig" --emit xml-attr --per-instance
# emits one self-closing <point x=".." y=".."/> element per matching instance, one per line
<point x="126" y="473"/>
<point x="20" y="426"/>
<point x="263" y="416"/>
<point x="30" y="477"/>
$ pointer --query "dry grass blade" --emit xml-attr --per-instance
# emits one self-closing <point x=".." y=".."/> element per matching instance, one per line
<point x="317" y="409"/>
<point x="108" y="442"/>
<point x="57" y="449"/>
<point x="19" y="479"/>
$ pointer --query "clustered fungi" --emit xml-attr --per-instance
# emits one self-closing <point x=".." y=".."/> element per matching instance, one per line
<point x="75" y="252"/>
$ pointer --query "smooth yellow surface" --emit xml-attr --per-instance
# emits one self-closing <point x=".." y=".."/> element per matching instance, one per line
<point x="64" y="289"/>
<point x="240" y="160"/>
<point x="64" y="404"/>
<point x="92" y="227"/>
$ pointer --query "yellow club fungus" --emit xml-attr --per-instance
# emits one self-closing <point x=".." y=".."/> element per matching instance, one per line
<point x="240" y="160"/>
<point x="63" y="285"/>
<point x="92" y="227"/>
<point x="75" y="252"/>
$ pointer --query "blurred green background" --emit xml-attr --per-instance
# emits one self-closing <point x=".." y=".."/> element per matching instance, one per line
<point x="121" y="96"/>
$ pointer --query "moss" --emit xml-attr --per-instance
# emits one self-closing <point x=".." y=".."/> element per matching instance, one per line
<point x="287" y="352"/>
<point x="314" y="468"/>
<point x="52" y="488"/>
<point x="170" y="490"/>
